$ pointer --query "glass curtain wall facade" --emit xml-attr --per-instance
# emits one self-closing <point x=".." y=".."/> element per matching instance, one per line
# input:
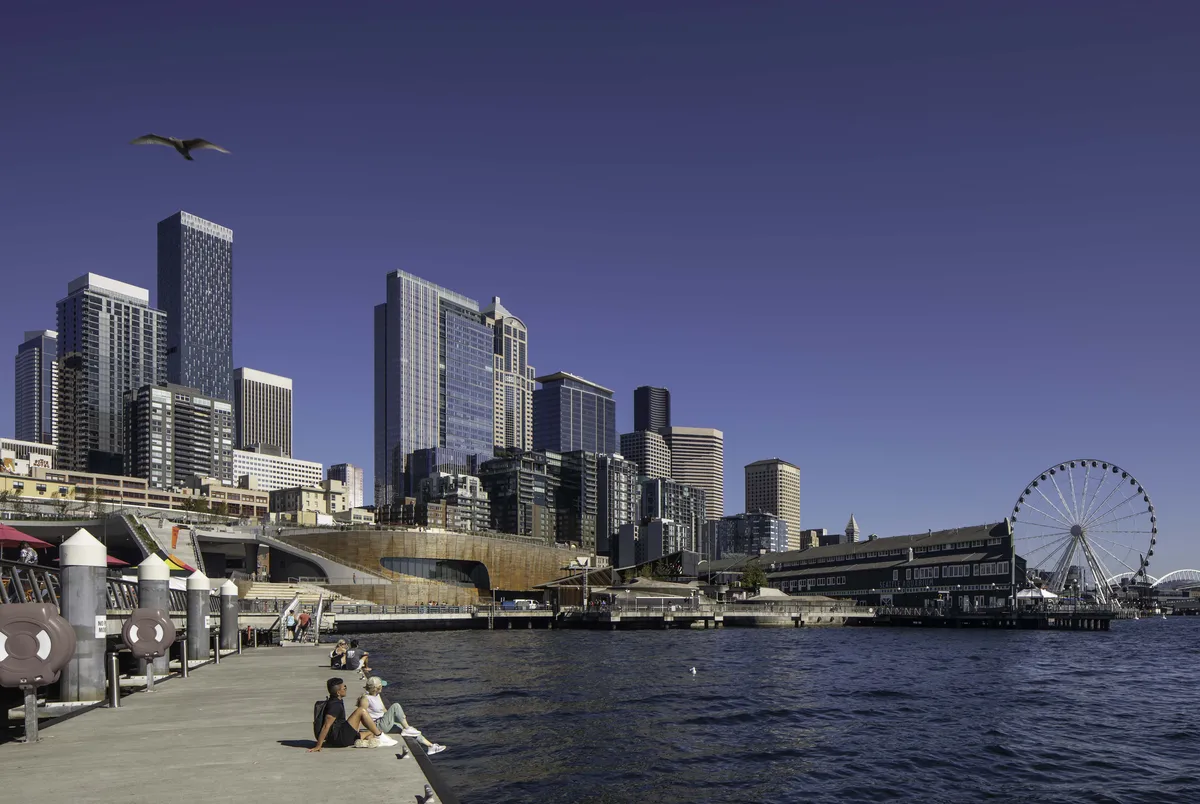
<point x="36" y="387"/>
<point x="418" y="405"/>
<point x="651" y="409"/>
<point x="570" y="413"/>
<point x="110" y="341"/>
<point x="195" y="290"/>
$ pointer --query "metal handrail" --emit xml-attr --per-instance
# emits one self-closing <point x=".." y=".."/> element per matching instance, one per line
<point x="32" y="583"/>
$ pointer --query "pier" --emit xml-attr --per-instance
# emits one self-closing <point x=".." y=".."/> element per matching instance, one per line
<point x="239" y="730"/>
<point x="1057" y="618"/>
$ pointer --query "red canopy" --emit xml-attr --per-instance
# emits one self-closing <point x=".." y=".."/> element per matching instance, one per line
<point x="11" y="537"/>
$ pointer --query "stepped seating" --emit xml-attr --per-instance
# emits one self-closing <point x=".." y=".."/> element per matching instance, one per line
<point x="309" y="593"/>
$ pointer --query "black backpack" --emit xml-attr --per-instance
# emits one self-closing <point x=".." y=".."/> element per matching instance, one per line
<point x="319" y="717"/>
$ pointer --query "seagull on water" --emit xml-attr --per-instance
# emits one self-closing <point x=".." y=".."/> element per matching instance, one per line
<point x="183" y="146"/>
<point x="693" y="671"/>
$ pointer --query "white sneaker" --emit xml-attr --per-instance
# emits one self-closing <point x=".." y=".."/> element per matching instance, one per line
<point x="410" y="732"/>
<point x="435" y="749"/>
<point x="385" y="741"/>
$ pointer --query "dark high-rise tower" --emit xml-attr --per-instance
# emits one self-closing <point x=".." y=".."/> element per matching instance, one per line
<point x="36" y="387"/>
<point x="195" y="290"/>
<point x="652" y="409"/>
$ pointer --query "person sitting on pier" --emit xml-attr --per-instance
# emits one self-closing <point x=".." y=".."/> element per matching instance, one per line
<point x="337" y="656"/>
<point x="353" y="656"/>
<point x="363" y="668"/>
<point x="389" y="717"/>
<point x="332" y="726"/>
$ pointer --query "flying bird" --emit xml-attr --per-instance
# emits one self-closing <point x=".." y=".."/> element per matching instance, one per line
<point x="183" y="146"/>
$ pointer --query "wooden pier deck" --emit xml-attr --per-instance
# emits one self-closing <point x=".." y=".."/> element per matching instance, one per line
<point x="237" y="731"/>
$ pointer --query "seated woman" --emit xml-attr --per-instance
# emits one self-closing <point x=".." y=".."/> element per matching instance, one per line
<point x="340" y="731"/>
<point x="337" y="656"/>
<point x="388" y="717"/>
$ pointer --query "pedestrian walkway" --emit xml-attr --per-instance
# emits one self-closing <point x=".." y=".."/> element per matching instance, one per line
<point x="239" y="731"/>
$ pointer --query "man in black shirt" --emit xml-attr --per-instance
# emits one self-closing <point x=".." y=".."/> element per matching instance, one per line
<point x="340" y="731"/>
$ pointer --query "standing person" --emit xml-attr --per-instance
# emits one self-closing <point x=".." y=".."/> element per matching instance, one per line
<point x="290" y="623"/>
<point x="388" y="717"/>
<point x="28" y="554"/>
<point x="304" y="621"/>
<point x="339" y="731"/>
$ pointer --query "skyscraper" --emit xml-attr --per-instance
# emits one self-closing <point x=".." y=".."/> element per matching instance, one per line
<point x="195" y="290"/>
<point x="698" y="459"/>
<point x="512" y="378"/>
<point x="773" y="487"/>
<point x="36" y="387"/>
<point x="651" y="409"/>
<point x="570" y="413"/>
<point x="522" y="489"/>
<point x="676" y="502"/>
<point x="649" y="451"/>
<point x="110" y="341"/>
<point x="352" y="477"/>
<point x="175" y="433"/>
<point x="577" y="499"/>
<point x="262" y="411"/>
<point x="750" y="534"/>
<point x="617" y="498"/>
<point x="433" y="378"/>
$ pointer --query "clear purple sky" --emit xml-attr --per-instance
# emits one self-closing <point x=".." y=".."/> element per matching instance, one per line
<point x="923" y="250"/>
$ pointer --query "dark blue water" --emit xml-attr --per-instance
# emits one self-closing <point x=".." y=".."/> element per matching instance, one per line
<point x="808" y="715"/>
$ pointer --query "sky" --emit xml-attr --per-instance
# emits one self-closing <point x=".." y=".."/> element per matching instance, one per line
<point x="922" y="250"/>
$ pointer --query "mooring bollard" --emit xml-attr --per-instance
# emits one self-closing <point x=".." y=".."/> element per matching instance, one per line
<point x="183" y="659"/>
<point x="154" y="593"/>
<point x="230" y="638"/>
<point x="114" y="681"/>
<point x="197" y="614"/>
<point x="216" y="647"/>
<point x="83" y="604"/>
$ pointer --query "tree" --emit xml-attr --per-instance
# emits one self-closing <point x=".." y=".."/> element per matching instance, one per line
<point x="753" y="577"/>
<point x="221" y="508"/>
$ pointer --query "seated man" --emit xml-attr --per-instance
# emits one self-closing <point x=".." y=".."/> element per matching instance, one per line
<point x="388" y="717"/>
<point x="340" y="731"/>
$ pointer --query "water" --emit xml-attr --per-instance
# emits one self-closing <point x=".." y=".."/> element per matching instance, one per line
<point x="807" y="715"/>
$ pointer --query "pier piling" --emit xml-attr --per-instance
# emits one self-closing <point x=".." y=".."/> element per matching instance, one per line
<point x="84" y="565"/>
<point x="154" y="593"/>
<point x="197" y="614"/>
<point x="229" y="616"/>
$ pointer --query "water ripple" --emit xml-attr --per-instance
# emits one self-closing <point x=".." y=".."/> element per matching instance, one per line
<point x="820" y="715"/>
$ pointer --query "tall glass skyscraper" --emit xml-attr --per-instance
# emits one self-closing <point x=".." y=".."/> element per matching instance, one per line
<point x="570" y="413"/>
<point x="109" y="341"/>
<point x="651" y="409"/>
<point x="195" y="290"/>
<point x="513" y="419"/>
<point x="36" y="387"/>
<point x="433" y="378"/>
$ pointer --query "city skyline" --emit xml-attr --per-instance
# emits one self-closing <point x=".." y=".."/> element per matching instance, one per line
<point x="887" y="249"/>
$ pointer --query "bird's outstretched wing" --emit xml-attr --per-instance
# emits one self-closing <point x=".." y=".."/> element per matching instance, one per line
<point x="152" y="139"/>
<point x="200" y="145"/>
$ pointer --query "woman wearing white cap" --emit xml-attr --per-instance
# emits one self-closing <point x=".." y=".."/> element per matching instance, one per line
<point x="386" y="717"/>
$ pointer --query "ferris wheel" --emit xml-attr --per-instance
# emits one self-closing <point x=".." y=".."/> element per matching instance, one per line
<point x="1082" y="523"/>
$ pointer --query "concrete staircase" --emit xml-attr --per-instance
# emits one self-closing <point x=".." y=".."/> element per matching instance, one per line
<point x="159" y="533"/>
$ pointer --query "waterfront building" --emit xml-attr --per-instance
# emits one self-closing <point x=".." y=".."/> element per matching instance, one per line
<point x="20" y="457"/>
<point x="266" y="471"/>
<point x="651" y="409"/>
<point x="523" y="489"/>
<point x="195" y="290"/>
<point x="773" y="486"/>
<point x="173" y="433"/>
<point x="685" y="505"/>
<point x="513" y="383"/>
<point x="661" y="537"/>
<point x="262" y="406"/>
<point x="618" y="498"/>
<point x="36" y="387"/>
<point x="749" y="534"/>
<point x="578" y="499"/>
<point x="698" y="459"/>
<point x="324" y="499"/>
<point x="571" y="413"/>
<point x="109" y="341"/>
<point x="649" y="451"/>
<point x="118" y="491"/>
<point x="352" y="477"/>
<point x="967" y="568"/>
<point x="451" y="501"/>
<point x="433" y="378"/>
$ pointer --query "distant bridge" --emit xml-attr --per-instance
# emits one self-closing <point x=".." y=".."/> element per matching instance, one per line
<point x="1180" y="577"/>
